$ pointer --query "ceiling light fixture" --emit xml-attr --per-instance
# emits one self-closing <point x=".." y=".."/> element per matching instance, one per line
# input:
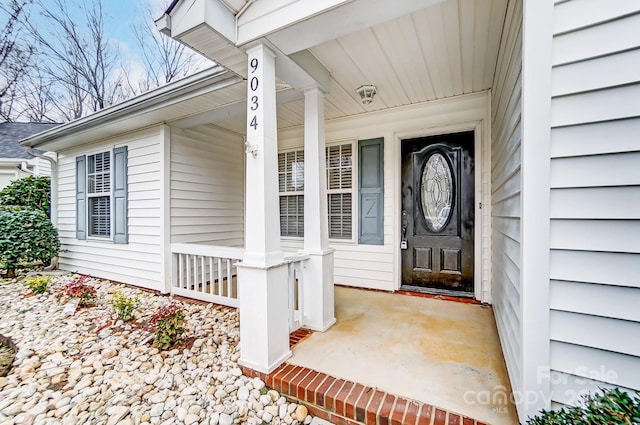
<point x="366" y="93"/>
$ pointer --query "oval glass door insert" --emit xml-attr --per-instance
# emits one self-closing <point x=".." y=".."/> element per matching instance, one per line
<point x="436" y="189"/>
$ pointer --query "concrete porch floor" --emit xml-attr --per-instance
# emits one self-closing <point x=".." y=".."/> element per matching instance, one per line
<point x="443" y="353"/>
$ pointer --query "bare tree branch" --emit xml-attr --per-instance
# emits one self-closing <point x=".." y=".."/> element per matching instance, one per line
<point x="14" y="55"/>
<point x="164" y="59"/>
<point x="75" y="51"/>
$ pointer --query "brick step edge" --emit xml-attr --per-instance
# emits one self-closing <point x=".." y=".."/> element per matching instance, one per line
<point x="345" y="402"/>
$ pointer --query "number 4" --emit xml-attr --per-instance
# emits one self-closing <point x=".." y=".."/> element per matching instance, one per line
<point x="254" y="122"/>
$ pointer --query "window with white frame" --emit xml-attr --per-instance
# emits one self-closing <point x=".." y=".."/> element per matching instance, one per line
<point x="340" y="190"/>
<point x="99" y="194"/>
<point x="102" y="195"/>
<point x="291" y="187"/>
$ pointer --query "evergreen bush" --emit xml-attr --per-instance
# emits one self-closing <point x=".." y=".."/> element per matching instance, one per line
<point x="34" y="192"/>
<point x="604" y="407"/>
<point x="26" y="235"/>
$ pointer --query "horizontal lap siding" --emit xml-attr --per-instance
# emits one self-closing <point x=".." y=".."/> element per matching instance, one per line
<point x="595" y="198"/>
<point x="505" y="192"/>
<point x="139" y="261"/>
<point x="207" y="186"/>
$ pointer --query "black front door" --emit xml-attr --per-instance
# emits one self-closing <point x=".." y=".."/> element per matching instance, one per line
<point x="438" y="213"/>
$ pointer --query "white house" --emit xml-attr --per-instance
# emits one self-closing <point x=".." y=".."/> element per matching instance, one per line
<point x="15" y="161"/>
<point x="498" y="160"/>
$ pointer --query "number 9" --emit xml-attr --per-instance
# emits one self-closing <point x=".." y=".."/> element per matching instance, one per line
<point x="254" y="65"/>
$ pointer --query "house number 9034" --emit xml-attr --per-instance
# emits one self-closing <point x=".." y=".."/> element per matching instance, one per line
<point x="254" y="82"/>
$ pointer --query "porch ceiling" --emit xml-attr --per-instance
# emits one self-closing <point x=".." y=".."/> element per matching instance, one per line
<point x="443" y="50"/>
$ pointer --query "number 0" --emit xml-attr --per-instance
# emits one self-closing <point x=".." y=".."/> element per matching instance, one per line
<point x="254" y="84"/>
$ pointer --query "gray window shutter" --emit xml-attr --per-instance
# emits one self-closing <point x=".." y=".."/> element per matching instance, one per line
<point x="371" y="191"/>
<point x="81" y="197"/>
<point x="120" y="232"/>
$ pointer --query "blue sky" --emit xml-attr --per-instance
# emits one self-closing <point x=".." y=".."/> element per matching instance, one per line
<point x="120" y="15"/>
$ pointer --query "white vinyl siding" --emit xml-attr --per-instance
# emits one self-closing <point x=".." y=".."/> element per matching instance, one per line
<point x="506" y="163"/>
<point x="291" y="188"/>
<point x="595" y="198"/>
<point x="138" y="262"/>
<point x="7" y="175"/>
<point x="207" y="186"/>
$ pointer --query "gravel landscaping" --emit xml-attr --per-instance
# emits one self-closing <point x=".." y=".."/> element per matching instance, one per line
<point x="88" y="367"/>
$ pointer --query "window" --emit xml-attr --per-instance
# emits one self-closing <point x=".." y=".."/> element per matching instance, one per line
<point x="101" y="195"/>
<point x="291" y="187"/>
<point x="340" y="190"/>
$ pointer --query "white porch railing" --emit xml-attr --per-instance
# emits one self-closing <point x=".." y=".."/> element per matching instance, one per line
<point x="295" y="264"/>
<point x="206" y="272"/>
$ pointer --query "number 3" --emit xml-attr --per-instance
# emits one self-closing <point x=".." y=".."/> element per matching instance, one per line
<point x="254" y="100"/>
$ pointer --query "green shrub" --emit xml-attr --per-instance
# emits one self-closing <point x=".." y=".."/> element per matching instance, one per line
<point x="26" y="235"/>
<point x="169" y="320"/>
<point x="38" y="284"/>
<point x="606" y="407"/>
<point x="124" y="306"/>
<point x="86" y="294"/>
<point x="34" y="192"/>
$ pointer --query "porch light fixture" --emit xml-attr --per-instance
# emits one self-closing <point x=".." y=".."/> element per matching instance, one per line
<point x="366" y="93"/>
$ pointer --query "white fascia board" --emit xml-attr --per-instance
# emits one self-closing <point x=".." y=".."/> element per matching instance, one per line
<point x="263" y="18"/>
<point x="196" y="84"/>
<point x="303" y="24"/>
<point x="5" y="161"/>
<point x="163" y="24"/>
<point x="191" y="14"/>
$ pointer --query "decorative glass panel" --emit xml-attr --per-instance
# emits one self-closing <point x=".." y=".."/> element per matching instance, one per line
<point x="436" y="189"/>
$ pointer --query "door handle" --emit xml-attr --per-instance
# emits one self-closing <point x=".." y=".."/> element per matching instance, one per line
<point x="405" y="224"/>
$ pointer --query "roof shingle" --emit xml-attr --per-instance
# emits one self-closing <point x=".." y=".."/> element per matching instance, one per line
<point x="12" y="132"/>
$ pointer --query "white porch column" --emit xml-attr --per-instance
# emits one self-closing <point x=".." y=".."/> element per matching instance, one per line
<point x="262" y="276"/>
<point x="318" y="272"/>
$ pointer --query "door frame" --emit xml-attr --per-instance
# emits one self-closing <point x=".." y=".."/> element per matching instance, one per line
<point x="481" y="233"/>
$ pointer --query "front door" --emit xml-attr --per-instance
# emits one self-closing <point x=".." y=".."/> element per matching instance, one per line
<point x="438" y="213"/>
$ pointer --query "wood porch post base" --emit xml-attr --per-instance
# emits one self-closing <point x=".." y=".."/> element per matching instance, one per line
<point x="318" y="295"/>
<point x="264" y="316"/>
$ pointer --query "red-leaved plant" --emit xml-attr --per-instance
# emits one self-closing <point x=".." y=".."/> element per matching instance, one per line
<point x="85" y="293"/>
<point x="168" y="320"/>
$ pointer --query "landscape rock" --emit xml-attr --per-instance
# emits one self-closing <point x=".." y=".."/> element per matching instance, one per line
<point x="90" y="368"/>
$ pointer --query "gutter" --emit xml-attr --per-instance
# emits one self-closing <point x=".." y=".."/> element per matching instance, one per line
<point x="24" y="167"/>
<point x="54" y="184"/>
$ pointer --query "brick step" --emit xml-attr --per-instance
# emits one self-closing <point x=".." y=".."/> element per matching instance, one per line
<point x="345" y="402"/>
